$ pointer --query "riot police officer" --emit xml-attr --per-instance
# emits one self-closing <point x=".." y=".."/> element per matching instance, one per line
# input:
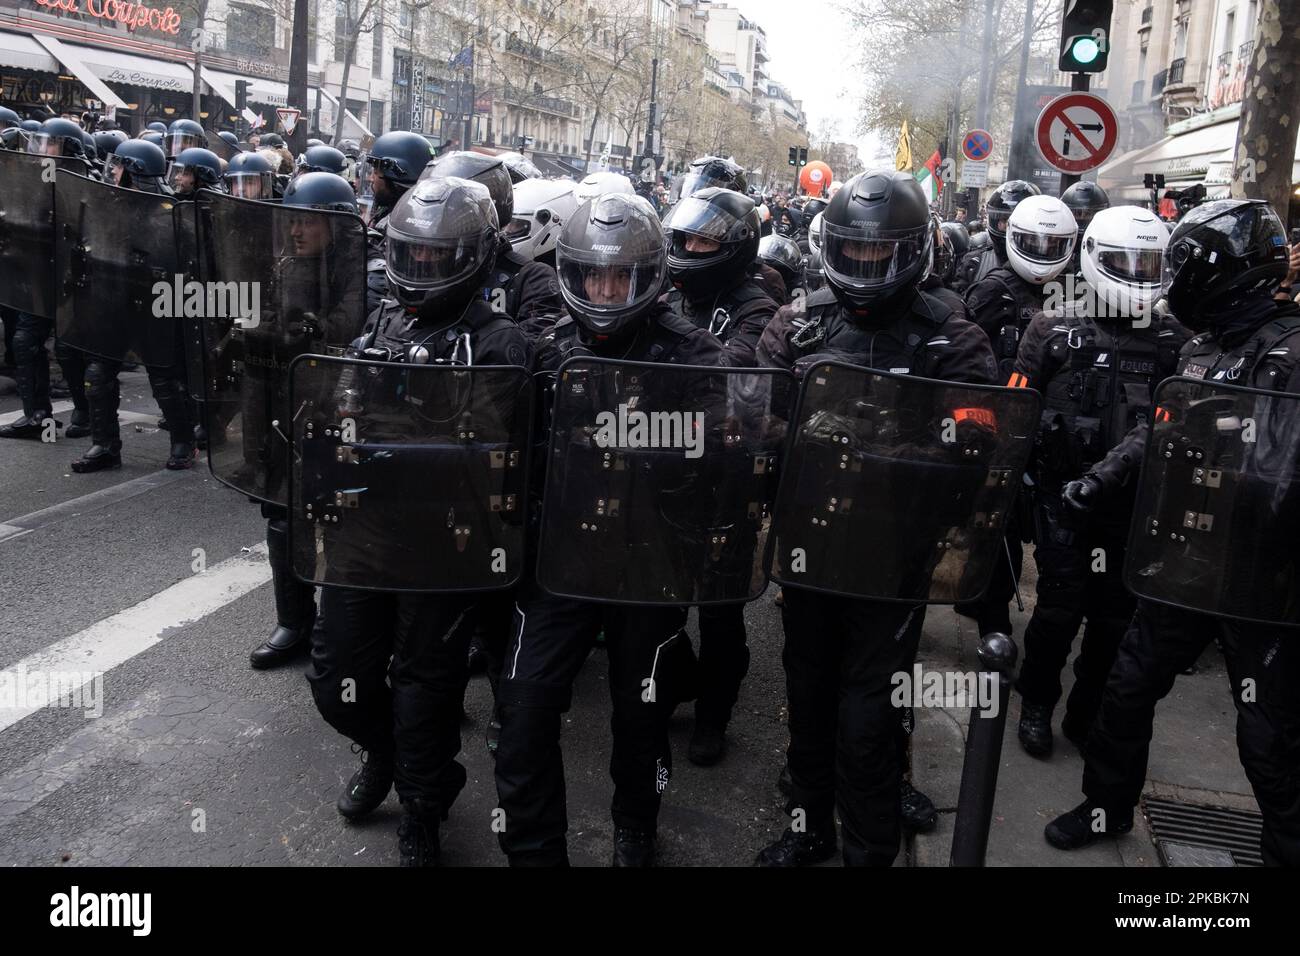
<point x="938" y="279"/>
<point x="1085" y="200"/>
<point x="522" y="288"/>
<point x="194" y="169"/>
<point x="249" y="176"/>
<point x="181" y="135"/>
<point x="58" y="138"/>
<point x="1039" y="236"/>
<point x="612" y="262"/>
<point x="713" y="237"/>
<point x="322" y="159"/>
<point x="846" y="743"/>
<point x="982" y="260"/>
<point x="541" y="208"/>
<point x="392" y="166"/>
<point x="781" y="254"/>
<point x="1223" y="262"/>
<point x="406" y="652"/>
<point x="1096" y="360"/>
<point x="295" y="602"/>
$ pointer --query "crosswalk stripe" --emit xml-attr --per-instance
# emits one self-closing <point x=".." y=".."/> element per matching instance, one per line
<point x="97" y="649"/>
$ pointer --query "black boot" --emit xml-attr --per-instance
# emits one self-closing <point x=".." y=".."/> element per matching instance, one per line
<point x="1086" y="824"/>
<point x="295" y="604"/>
<point x="417" y="834"/>
<point x="173" y="398"/>
<point x="800" y="849"/>
<point x="99" y="458"/>
<point x="634" y="847"/>
<point x="1035" y="728"/>
<point x="30" y="427"/>
<point x="79" y="426"/>
<point x="919" y="812"/>
<point x="368" y="787"/>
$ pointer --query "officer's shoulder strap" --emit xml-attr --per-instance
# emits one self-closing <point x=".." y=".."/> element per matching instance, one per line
<point x="821" y="299"/>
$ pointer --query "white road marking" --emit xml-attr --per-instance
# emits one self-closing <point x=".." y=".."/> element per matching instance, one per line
<point x="17" y="527"/>
<point x="116" y="639"/>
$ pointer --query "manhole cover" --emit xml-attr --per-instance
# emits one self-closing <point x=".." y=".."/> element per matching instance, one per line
<point x="1190" y="834"/>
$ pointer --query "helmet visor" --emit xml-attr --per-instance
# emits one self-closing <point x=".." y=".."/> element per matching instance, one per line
<point x="250" y="185"/>
<point x="701" y="218"/>
<point x="868" y="262"/>
<point x="1131" y="265"/>
<point x="518" y="229"/>
<point x="178" y="141"/>
<point x="1041" y="248"/>
<point x="431" y="265"/>
<point x="183" y="178"/>
<point x="696" y="180"/>
<point x="612" y="285"/>
<point x="45" y="144"/>
<point x="997" y="221"/>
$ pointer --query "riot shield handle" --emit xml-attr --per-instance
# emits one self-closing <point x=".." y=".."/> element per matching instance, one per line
<point x="979" y="773"/>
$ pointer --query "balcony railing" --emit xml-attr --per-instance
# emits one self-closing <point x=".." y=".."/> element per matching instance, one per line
<point x="1158" y="82"/>
<point x="552" y="104"/>
<point x="1245" y="50"/>
<point x="1176" y="69"/>
<point x="1224" y="60"/>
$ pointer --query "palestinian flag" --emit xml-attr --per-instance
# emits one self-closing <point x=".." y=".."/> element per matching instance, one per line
<point x="928" y="177"/>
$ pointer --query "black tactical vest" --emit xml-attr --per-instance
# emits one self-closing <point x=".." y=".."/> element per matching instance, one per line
<point x="903" y="346"/>
<point x="1267" y="359"/>
<point x="729" y="310"/>
<point x="1097" y="379"/>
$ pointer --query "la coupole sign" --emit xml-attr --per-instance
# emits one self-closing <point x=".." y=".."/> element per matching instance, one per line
<point x="135" y="16"/>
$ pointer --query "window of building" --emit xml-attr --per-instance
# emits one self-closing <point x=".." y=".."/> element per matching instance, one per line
<point x="1229" y="29"/>
<point x="1180" y="37"/>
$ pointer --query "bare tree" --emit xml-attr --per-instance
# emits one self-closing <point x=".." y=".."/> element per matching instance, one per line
<point x="616" y="35"/>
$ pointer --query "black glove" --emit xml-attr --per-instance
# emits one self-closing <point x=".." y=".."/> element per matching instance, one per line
<point x="1082" y="494"/>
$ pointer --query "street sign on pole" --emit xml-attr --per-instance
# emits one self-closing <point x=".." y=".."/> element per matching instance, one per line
<point x="288" y="118"/>
<point x="977" y="145"/>
<point x="1076" y="132"/>
<point x="974" y="175"/>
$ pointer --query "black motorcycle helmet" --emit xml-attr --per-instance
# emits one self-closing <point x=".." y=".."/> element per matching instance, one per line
<point x="479" y="168"/>
<point x="814" y="273"/>
<point x="270" y="141"/>
<point x="58" y="137"/>
<point x="138" y="160"/>
<point x="183" y="134"/>
<point x="442" y="242"/>
<point x="722" y="218"/>
<point x="811" y="208"/>
<point x="611" y="261"/>
<point x="956" y="243"/>
<point x="710" y="171"/>
<point x="321" y="190"/>
<point x="519" y="168"/>
<point x="107" y="142"/>
<point x="249" y="176"/>
<point x="1219" y="254"/>
<point x="322" y="159"/>
<point x="784" y="255"/>
<point x="201" y="166"/>
<point x="1085" y="201"/>
<point x="394" y="163"/>
<point x="997" y="210"/>
<point x="157" y="127"/>
<point x="876" y="240"/>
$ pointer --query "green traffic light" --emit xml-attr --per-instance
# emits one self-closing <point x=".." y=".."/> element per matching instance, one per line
<point x="1084" y="50"/>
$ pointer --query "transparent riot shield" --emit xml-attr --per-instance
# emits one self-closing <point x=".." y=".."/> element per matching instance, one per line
<point x="278" y="282"/>
<point x="27" y="229"/>
<point x="408" y="477"/>
<point x="115" y="268"/>
<point x="1218" y="505"/>
<point x="659" y="482"/>
<point x="190" y="266"/>
<point x="897" y="488"/>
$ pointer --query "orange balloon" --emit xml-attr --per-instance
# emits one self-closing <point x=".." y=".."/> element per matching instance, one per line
<point x="815" y="177"/>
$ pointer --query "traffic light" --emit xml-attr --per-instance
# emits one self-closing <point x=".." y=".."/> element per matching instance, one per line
<point x="803" y="155"/>
<point x="1085" y="35"/>
<point x="794" y="155"/>
<point x="241" y="95"/>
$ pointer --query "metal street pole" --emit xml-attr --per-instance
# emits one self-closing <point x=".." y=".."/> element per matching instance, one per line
<point x="985" y="91"/>
<point x="298" y="77"/>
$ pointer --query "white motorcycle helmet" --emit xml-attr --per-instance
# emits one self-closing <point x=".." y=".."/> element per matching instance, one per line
<point x="602" y="184"/>
<point x="1123" y="250"/>
<point x="542" y="207"/>
<point x="815" y="234"/>
<point x="1040" y="238"/>
<point x="833" y="188"/>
